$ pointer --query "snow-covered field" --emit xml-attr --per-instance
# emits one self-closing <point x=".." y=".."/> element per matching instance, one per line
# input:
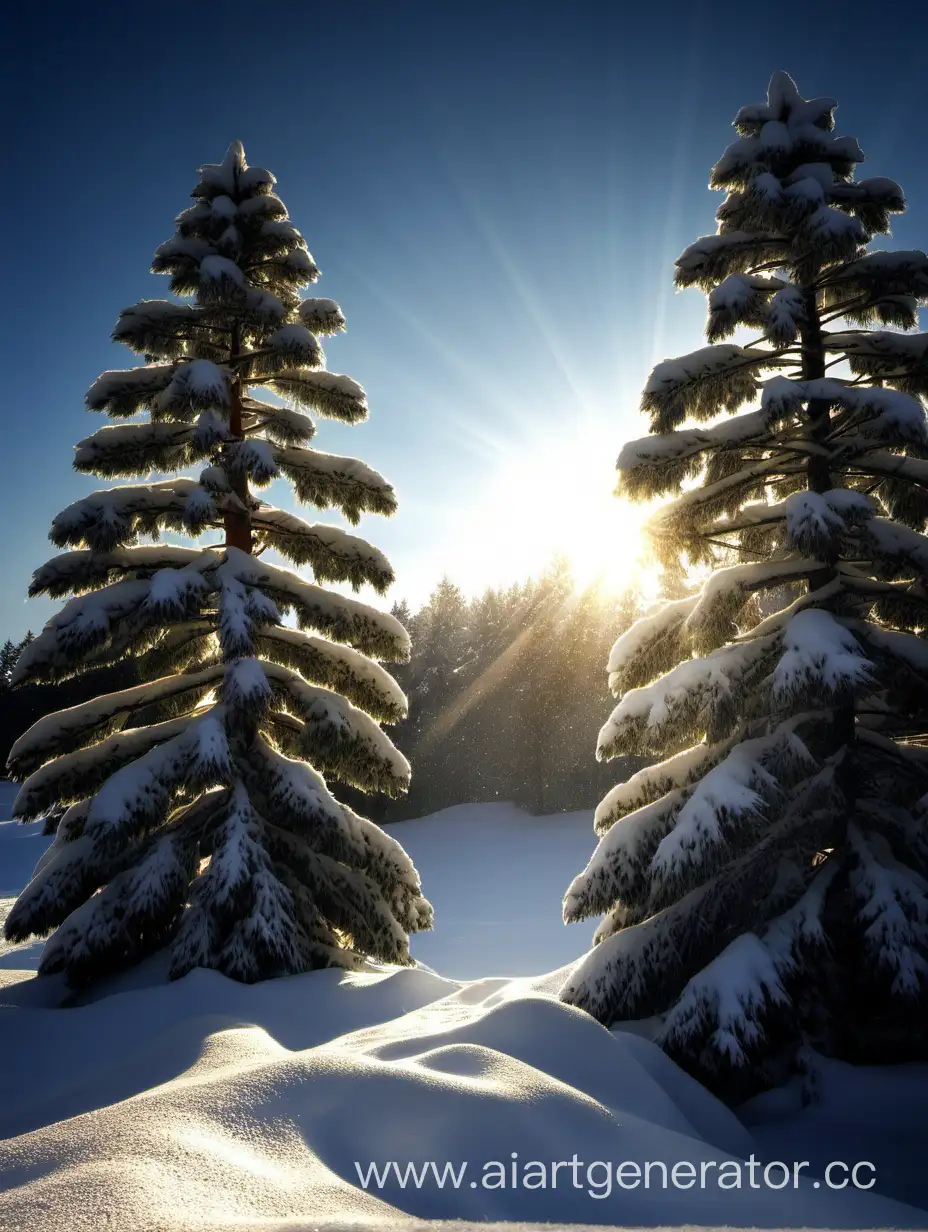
<point x="206" y="1104"/>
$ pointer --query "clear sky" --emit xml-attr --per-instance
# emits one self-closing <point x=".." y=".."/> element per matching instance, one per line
<point x="495" y="194"/>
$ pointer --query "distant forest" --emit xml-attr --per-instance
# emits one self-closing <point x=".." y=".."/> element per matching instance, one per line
<point x="507" y="693"/>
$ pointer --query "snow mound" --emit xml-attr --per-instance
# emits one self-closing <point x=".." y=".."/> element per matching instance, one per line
<point x="205" y="1104"/>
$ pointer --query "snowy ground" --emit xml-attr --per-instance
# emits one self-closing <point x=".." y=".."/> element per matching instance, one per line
<point x="205" y="1104"/>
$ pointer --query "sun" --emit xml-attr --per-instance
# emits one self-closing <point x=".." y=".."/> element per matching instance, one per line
<point x="558" y="500"/>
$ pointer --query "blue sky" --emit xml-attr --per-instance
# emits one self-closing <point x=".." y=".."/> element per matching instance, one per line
<point x="495" y="194"/>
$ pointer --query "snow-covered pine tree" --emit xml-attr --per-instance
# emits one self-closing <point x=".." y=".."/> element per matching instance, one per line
<point x="9" y="653"/>
<point x="197" y="813"/>
<point x="765" y="882"/>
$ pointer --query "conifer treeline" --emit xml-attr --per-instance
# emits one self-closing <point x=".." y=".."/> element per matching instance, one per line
<point x="504" y="690"/>
<point x="9" y="653"/>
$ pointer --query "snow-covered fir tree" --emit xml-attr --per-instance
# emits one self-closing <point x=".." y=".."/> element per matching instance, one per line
<point x="764" y="883"/>
<point x="197" y="814"/>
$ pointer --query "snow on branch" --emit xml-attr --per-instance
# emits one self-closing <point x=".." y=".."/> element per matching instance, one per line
<point x="395" y="873"/>
<point x="332" y="395"/>
<point x="233" y="175"/>
<point x="649" y="784"/>
<point x="278" y="236"/>
<point x="125" y="392"/>
<point x="785" y="102"/>
<point x="693" y="811"/>
<point x="761" y="514"/>
<point x="116" y="516"/>
<point x="703" y="383"/>
<point x="295" y="795"/>
<point x="740" y="299"/>
<point x="902" y="482"/>
<point x="821" y="660"/>
<point x="619" y="869"/>
<point x="887" y="415"/>
<point x="727" y="807"/>
<point x="322" y="316"/>
<point x="70" y="729"/>
<point x="136" y="797"/>
<point x="256" y="308"/>
<point x="80" y="571"/>
<point x="897" y="550"/>
<point x="137" y="449"/>
<point x="785" y="313"/>
<point x="893" y="908"/>
<point x="246" y="691"/>
<point x="288" y="270"/>
<point x="327" y="480"/>
<point x="880" y="413"/>
<point x="116" y="616"/>
<point x="58" y="888"/>
<point x="800" y="930"/>
<point x="338" y="737"/>
<point x="721" y="1012"/>
<point x="817" y="521"/>
<point x="344" y="620"/>
<point x="777" y="620"/>
<point x="714" y="257"/>
<point x="760" y="206"/>
<point x="641" y="970"/>
<point x="349" y="900"/>
<point x="242" y="610"/>
<point x="656" y="464"/>
<point x="680" y="704"/>
<point x="78" y="775"/>
<point x="128" y="918"/>
<point x="789" y="137"/>
<point x="180" y="257"/>
<point x="906" y="648"/>
<point x="692" y="513"/>
<point x="333" y="555"/>
<point x="900" y="358"/>
<point x="650" y="646"/>
<point x="713" y="618"/>
<point x="219" y="280"/>
<point x="879" y="274"/>
<point x="280" y="423"/>
<point x="828" y="234"/>
<point x="291" y="346"/>
<point x="250" y="912"/>
<point x="85" y="623"/>
<point x="253" y="458"/>
<point x="195" y="385"/>
<point x="261" y="207"/>
<point x="362" y="681"/>
<point x="70" y="827"/>
<point x="898" y="310"/>
<point x="166" y="329"/>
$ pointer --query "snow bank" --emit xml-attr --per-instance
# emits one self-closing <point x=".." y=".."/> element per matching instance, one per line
<point x="208" y="1104"/>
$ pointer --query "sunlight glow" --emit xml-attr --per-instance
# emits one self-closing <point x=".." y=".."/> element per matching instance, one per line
<point x="558" y="500"/>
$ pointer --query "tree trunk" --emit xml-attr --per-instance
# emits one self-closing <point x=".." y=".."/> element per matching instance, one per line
<point x="819" y="480"/>
<point x="238" y="522"/>
<point x="813" y="368"/>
